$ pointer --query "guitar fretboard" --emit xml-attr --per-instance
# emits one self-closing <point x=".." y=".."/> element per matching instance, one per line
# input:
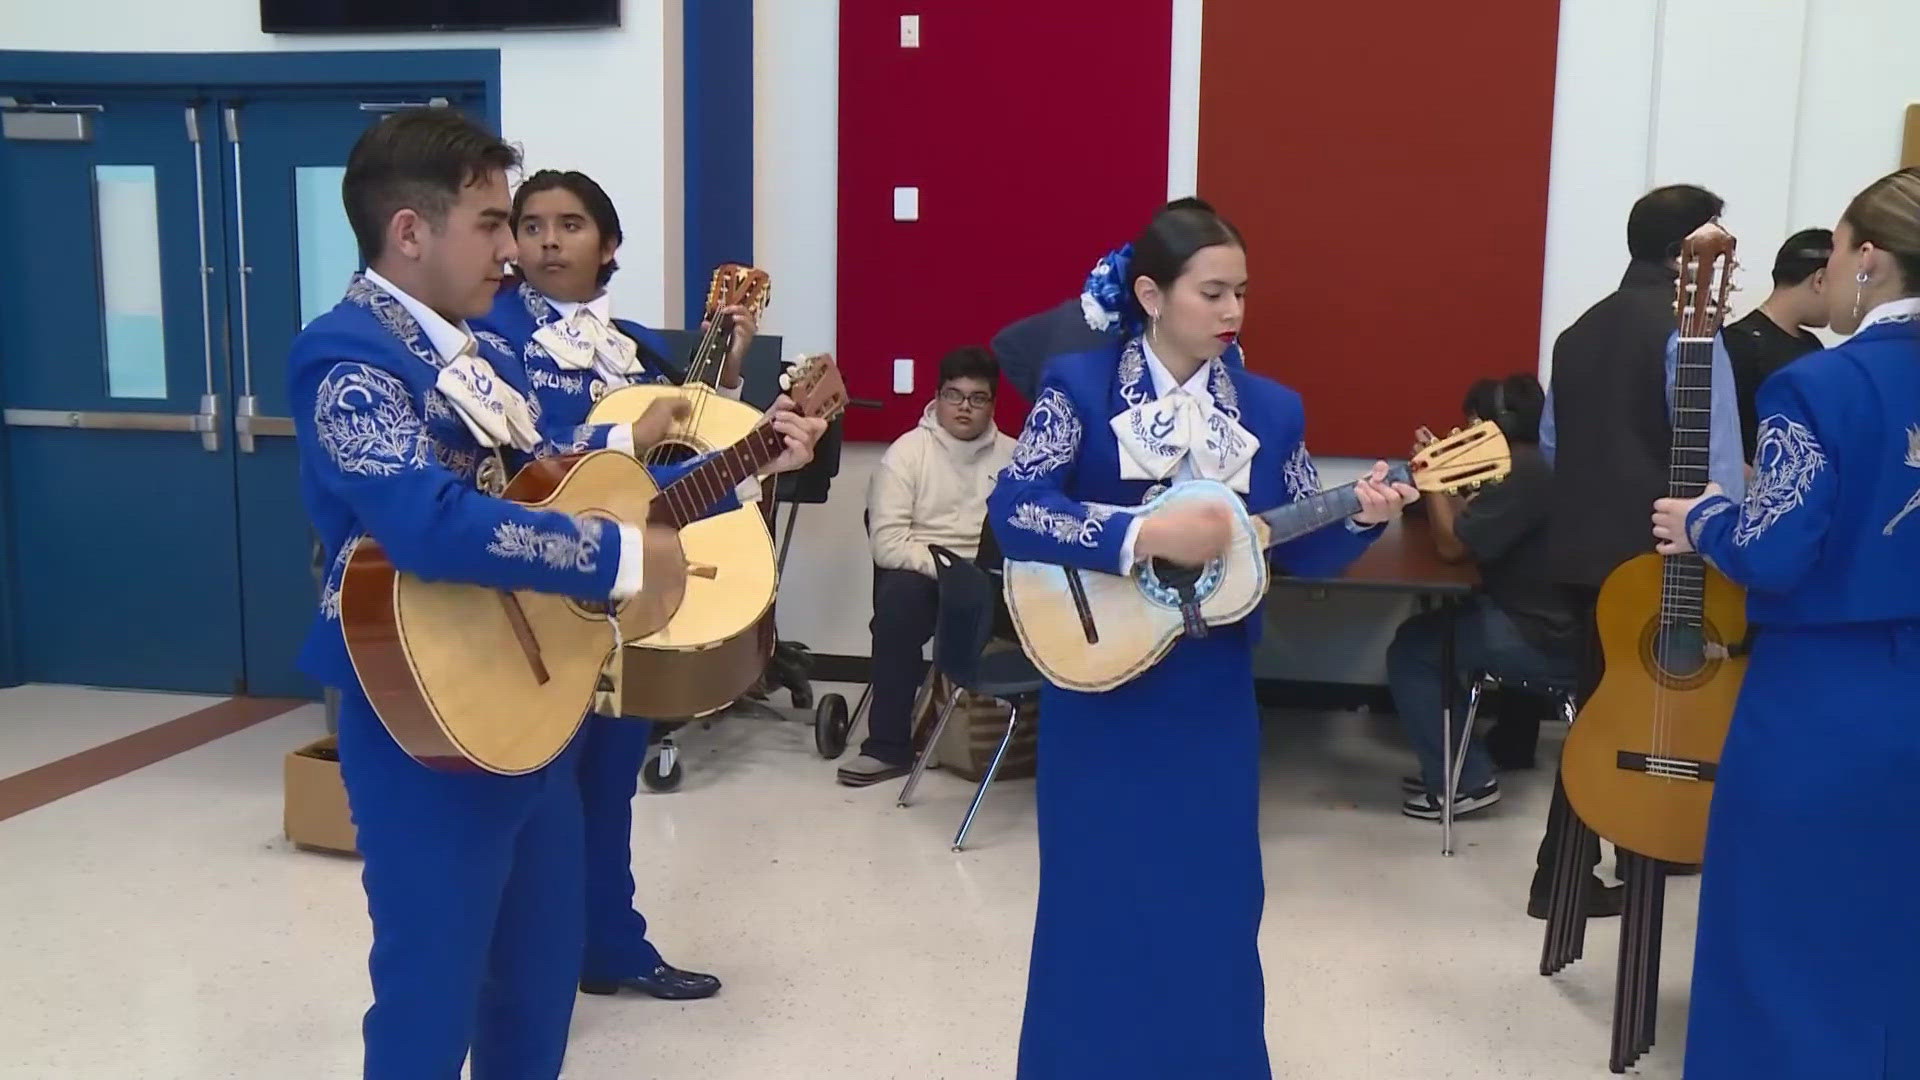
<point x="686" y="499"/>
<point x="1316" y="512"/>
<point x="1684" y="578"/>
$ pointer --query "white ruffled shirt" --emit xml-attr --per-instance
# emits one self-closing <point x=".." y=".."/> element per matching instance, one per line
<point x="1198" y="386"/>
<point x="626" y="364"/>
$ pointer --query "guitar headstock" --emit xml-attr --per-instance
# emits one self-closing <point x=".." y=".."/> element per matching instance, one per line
<point x="814" y="384"/>
<point x="1478" y="455"/>
<point x="734" y="285"/>
<point x="1705" y="280"/>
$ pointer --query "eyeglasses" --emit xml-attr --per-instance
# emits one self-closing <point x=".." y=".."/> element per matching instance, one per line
<point x="977" y="399"/>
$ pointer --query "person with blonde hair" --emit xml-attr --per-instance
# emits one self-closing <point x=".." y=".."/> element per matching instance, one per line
<point x="1810" y="906"/>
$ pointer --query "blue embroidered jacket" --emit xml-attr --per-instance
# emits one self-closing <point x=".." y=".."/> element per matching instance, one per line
<point x="1829" y="531"/>
<point x="383" y="454"/>
<point x="1057" y="501"/>
<point x="519" y="311"/>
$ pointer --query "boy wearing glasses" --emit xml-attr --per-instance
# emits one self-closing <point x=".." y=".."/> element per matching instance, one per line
<point x="930" y="488"/>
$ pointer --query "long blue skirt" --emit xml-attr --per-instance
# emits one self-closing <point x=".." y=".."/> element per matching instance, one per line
<point x="1146" y="959"/>
<point x="1808" y="960"/>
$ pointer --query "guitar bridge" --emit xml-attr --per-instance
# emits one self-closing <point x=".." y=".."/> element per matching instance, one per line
<point x="1667" y="768"/>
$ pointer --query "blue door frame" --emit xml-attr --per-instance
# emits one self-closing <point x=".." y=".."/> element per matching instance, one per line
<point x="225" y="74"/>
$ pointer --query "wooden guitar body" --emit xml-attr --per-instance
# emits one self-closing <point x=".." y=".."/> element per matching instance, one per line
<point x="1640" y="762"/>
<point x="671" y="684"/>
<point x="468" y="678"/>
<point x="1136" y="618"/>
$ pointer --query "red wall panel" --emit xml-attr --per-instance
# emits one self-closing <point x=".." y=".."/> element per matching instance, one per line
<point x="1037" y="135"/>
<point x="1388" y="165"/>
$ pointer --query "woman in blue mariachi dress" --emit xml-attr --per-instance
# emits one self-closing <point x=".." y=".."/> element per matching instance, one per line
<point x="1145" y="955"/>
<point x="1808" y="957"/>
<point x="558" y="320"/>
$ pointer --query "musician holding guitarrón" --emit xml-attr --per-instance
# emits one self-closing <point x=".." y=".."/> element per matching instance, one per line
<point x="1149" y="801"/>
<point x="406" y="424"/>
<point x="558" y="321"/>
<point x="1809" y="925"/>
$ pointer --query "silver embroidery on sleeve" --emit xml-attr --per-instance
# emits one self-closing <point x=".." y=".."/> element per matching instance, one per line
<point x="366" y="422"/>
<point x="1062" y="527"/>
<point x="1301" y="477"/>
<point x="1787" y="459"/>
<point x="1051" y="438"/>
<point x="578" y="551"/>
<point x="1913" y="462"/>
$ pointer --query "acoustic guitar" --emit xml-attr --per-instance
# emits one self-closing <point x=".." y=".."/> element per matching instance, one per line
<point x="468" y="678"/>
<point x="710" y="658"/>
<point x="715" y="646"/>
<point x="1640" y="762"/>
<point x="1095" y="631"/>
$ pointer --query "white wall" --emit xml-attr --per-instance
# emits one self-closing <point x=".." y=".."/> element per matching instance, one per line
<point x="1784" y="107"/>
<point x="618" y="136"/>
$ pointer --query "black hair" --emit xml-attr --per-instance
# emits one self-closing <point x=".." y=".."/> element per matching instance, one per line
<point x="970" y="362"/>
<point x="1667" y="215"/>
<point x="1515" y="403"/>
<point x="591" y="195"/>
<point x="1177" y="232"/>
<point x="419" y="160"/>
<point x="1804" y="253"/>
<point x="1887" y="215"/>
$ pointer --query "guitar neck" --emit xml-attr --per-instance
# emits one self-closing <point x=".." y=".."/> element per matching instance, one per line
<point x="686" y="499"/>
<point x="1684" y="577"/>
<point x="1316" y="512"/>
<point x="710" y="354"/>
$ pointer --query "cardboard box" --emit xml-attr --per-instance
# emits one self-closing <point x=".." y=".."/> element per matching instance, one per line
<point x="316" y="815"/>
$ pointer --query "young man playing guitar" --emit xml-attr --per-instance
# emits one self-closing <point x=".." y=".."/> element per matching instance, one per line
<point x="406" y="423"/>
<point x="567" y="231"/>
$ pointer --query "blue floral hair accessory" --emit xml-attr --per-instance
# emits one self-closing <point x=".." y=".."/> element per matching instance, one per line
<point x="1107" y="300"/>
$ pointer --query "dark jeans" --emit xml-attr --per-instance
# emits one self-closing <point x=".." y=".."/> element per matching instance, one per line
<point x="905" y="605"/>
<point x="1592" y="666"/>
<point x="1485" y="640"/>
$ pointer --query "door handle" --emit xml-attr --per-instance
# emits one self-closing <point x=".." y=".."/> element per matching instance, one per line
<point x="248" y="424"/>
<point x="201" y="422"/>
<point x="397" y="106"/>
<point x="240" y="248"/>
<point x="209" y="402"/>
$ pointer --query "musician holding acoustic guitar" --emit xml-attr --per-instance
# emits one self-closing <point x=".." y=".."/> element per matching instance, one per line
<point x="557" y="319"/>
<point x="1145" y="960"/>
<point x="407" y="428"/>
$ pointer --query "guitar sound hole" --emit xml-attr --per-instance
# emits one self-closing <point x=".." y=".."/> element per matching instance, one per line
<point x="1680" y="650"/>
<point x="1181" y="579"/>
<point x="670" y="453"/>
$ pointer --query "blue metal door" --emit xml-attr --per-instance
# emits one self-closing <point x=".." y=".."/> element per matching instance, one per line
<point x="284" y="156"/>
<point x="154" y="525"/>
<point x="123" y="526"/>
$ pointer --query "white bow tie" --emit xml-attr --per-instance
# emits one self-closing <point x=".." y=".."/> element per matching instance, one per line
<point x="1155" y="436"/>
<point x="496" y="413"/>
<point x="584" y="343"/>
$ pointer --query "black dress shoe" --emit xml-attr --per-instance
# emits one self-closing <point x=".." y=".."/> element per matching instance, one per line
<point x="666" y="982"/>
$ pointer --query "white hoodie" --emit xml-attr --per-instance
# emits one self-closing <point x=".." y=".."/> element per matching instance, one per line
<point x="932" y="488"/>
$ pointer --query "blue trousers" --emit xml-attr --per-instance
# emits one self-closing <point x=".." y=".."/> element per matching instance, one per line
<point x="614" y="750"/>
<point x="473" y="885"/>
<point x="1485" y="639"/>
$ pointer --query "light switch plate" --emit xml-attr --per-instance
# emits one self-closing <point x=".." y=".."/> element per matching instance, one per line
<point x="903" y="376"/>
<point x="906" y="204"/>
<point x="909" y="31"/>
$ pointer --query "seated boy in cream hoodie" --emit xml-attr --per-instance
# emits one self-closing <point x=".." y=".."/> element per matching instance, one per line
<point x="930" y="488"/>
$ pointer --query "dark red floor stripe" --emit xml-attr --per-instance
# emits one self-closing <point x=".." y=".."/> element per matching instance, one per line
<point x="57" y="780"/>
